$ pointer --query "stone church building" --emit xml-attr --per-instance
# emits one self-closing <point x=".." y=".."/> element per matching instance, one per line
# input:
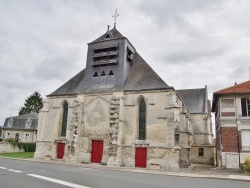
<point x="119" y="112"/>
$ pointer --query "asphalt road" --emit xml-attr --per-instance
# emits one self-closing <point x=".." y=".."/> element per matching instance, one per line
<point x="27" y="174"/>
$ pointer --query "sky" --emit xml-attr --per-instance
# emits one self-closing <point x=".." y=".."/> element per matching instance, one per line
<point x="189" y="43"/>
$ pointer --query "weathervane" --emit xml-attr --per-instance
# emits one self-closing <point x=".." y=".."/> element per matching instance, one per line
<point x="115" y="16"/>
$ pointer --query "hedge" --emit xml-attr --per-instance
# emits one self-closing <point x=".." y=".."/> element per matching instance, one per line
<point x="27" y="146"/>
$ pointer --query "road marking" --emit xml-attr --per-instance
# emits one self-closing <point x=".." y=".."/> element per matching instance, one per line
<point x="15" y="170"/>
<point x="58" y="181"/>
<point x="2" y="167"/>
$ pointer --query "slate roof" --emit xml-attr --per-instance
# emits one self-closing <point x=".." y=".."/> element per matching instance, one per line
<point x="73" y="86"/>
<point x="194" y="99"/>
<point x="115" y="35"/>
<point x="143" y="77"/>
<point x="20" y="122"/>
<point x="241" y="88"/>
<point x="140" y="77"/>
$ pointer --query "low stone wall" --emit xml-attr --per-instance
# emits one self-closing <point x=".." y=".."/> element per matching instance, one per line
<point x="6" y="147"/>
<point x="207" y="158"/>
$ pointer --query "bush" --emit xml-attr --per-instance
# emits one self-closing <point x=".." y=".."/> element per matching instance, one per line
<point x="1" y="139"/>
<point x="246" y="165"/>
<point x="27" y="146"/>
<point x="10" y="140"/>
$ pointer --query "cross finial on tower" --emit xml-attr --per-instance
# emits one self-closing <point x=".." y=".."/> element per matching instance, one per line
<point x="115" y="16"/>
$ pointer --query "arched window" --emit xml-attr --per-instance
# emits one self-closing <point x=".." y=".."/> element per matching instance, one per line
<point x="64" y="120"/>
<point x="142" y="120"/>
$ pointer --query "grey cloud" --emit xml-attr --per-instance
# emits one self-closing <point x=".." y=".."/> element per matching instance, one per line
<point x="165" y="11"/>
<point x="189" y="43"/>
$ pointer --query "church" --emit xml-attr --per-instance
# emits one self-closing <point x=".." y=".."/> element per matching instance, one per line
<point x="119" y="112"/>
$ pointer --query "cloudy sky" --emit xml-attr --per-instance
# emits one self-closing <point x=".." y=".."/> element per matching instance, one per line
<point x="189" y="43"/>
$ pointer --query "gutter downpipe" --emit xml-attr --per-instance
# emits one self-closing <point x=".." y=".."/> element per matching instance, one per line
<point x="237" y="129"/>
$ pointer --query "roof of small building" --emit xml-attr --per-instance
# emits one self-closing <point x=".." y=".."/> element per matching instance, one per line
<point x="20" y="121"/>
<point x="241" y="88"/>
<point x="237" y="89"/>
<point x="194" y="99"/>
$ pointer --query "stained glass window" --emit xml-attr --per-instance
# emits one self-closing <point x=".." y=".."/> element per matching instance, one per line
<point x="142" y="120"/>
<point x="64" y="120"/>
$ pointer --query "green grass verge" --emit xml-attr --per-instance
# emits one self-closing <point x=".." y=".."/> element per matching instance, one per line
<point x="21" y="155"/>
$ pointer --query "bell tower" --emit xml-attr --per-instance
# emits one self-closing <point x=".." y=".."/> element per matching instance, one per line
<point x="108" y="62"/>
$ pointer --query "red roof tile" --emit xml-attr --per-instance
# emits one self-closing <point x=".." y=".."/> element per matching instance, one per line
<point x="236" y="89"/>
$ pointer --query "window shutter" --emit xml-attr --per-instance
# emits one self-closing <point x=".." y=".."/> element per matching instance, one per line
<point x="245" y="137"/>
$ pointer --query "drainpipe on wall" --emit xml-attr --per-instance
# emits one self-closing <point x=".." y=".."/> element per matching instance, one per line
<point x="220" y="164"/>
<point x="236" y="114"/>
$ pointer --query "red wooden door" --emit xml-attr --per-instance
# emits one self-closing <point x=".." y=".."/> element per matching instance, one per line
<point x="141" y="157"/>
<point x="60" y="150"/>
<point x="97" y="149"/>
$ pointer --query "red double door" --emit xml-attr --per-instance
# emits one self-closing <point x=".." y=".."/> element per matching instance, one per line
<point x="141" y="157"/>
<point x="97" y="150"/>
<point x="60" y="150"/>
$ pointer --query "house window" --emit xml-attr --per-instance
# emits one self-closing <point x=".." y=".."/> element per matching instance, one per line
<point x="245" y="139"/>
<point x="28" y="123"/>
<point x="16" y="137"/>
<point x="10" y="122"/>
<point x="64" y="120"/>
<point x="245" y="107"/>
<point x="26" y="137"/>
<point x="201" y="152"/>
<point x="142" y="120"/>
<point x="227" y="103"/>
<point x="8" y="135"/>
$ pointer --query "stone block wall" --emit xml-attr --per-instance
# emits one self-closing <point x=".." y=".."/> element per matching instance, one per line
<point x="208" y="157"/>
<point x="113" y="118"/>
<point x="6" y="147"/>
<point x="45" y="148"/>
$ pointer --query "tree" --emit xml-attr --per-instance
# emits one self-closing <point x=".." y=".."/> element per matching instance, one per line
<point x="33" y="103"/>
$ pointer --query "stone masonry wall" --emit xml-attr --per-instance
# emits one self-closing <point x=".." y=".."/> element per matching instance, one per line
<point x="208" y="157"/>
<point x="113" y="118"/>
<point x="6" y="147"/>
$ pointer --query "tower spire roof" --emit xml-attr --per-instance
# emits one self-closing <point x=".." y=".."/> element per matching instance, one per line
<point x="113" y="34"/>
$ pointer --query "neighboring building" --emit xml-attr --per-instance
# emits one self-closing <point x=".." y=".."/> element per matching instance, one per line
<point x="232" y="116"/>
<point x="117" y="111"/>
<point x="0" y="131"/>
<point x="22" y="128"/>
<point x="196" y="101"/>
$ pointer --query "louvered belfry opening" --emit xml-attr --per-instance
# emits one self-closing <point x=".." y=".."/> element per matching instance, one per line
<point x="105" y="56"/>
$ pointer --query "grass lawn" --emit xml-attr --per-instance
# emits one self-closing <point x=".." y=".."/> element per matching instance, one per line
<point x="21" y="155"/>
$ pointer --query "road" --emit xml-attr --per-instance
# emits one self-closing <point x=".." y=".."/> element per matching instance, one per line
<point x="28" y="174"/>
